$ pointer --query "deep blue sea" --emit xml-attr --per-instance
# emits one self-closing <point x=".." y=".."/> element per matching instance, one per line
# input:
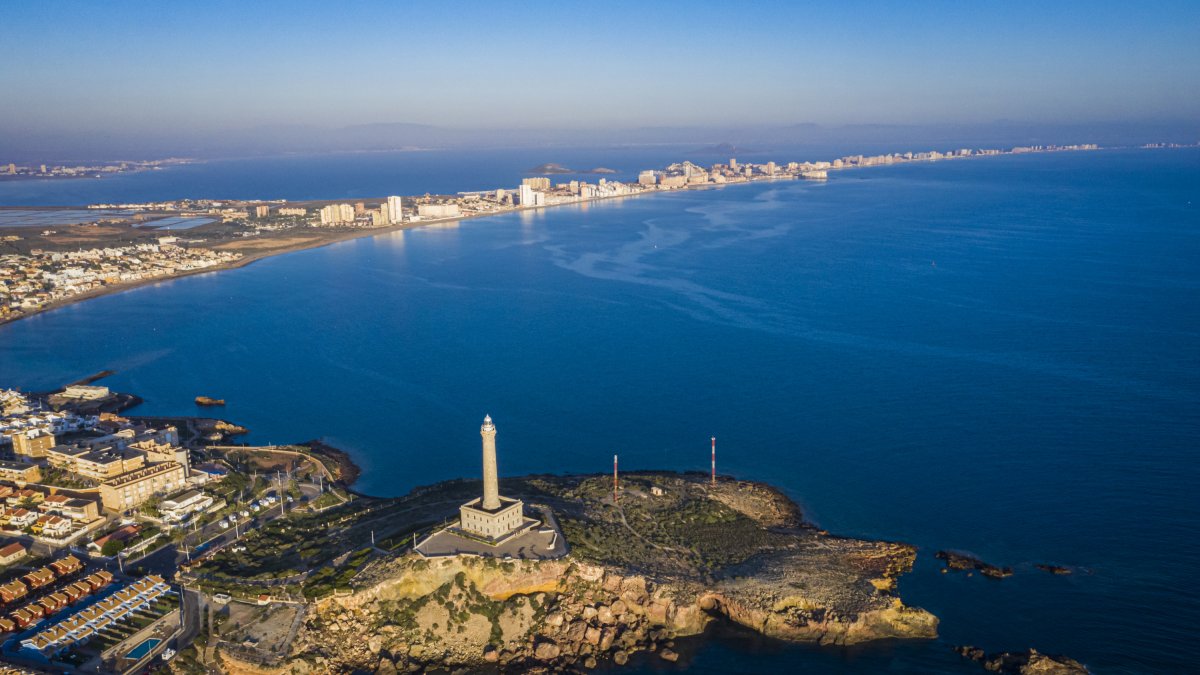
<point x="997" y="355"/>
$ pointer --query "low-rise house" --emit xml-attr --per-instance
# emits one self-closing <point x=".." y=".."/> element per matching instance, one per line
<point x="54" y="527"/>
<point x="39" y="578"/>
<point x="25" y="496"/>
<point x="26" y="616"/>
<point x="12" y="552"/>
<point x="70" y="507"/>
<point x="20" y="518"/>
<point x="13" y="591"/>
<point x="124" y="533"/>
<point x="52" y="603"/>
<point x="68" y="565"/>
<point x="98" y="580"/>
<point x="179" y="506"/>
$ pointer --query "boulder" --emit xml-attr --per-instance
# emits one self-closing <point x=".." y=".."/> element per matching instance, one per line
<point x="620" y="658"/>
<point x="491" y="654"/>
<point x="668" y="655"/>
<point x="605" y="615"/>
<point x="606" y="638"/>
<point x="546" y="651"/>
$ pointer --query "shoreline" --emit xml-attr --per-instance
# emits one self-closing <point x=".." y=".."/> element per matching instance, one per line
<point x="322" y="241"/>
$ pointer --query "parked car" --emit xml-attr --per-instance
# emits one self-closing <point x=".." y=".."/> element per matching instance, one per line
<point x="244" y="513"/>
<point x="224" y="524"/>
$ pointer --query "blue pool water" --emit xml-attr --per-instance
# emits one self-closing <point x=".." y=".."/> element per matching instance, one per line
<point x="143" y="649"/>
<point x="995" y="355"/>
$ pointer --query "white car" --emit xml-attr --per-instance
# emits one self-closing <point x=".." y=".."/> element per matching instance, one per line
<point x="245" y="513"/>
<point x="255" y="507"/>
<point x="221" y="598"/>
<point x="233" y="517"/>
<point x="290" y="500"/>
<point x="224" y="524"/>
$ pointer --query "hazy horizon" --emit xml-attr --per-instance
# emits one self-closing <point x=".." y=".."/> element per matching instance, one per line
<point x="138" y="79"/>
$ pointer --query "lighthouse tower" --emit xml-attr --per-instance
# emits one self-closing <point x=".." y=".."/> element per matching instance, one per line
<point x="492" y="517"/>
<point x="491" y="480"/>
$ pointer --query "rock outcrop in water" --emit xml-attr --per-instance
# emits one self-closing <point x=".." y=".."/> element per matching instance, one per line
<point x="1031" y="662"/>
<point x="674" y="554"/>
<point x="964" y="561"/>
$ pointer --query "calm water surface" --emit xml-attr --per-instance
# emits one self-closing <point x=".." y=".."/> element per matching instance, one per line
<point x="995" y="355"/>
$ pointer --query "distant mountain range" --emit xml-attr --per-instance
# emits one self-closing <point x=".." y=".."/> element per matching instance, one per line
<point x="83" y="145"/>
<point x="552" y="168"/>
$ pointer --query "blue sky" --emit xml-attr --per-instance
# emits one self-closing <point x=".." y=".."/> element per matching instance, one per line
<point x="122" y="67"/>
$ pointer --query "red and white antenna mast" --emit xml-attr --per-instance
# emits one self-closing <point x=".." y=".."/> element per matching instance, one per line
<point x="614" y="478"/>
<point x="714" y="460"/>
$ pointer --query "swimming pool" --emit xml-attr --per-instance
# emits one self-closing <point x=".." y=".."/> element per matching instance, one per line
<point x="143" y="649"/>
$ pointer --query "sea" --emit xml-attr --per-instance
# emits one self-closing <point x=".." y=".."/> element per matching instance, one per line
<point x="995" y="355"/>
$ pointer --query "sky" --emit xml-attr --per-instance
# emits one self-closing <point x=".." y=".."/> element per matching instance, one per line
<point x="120" y="70"/>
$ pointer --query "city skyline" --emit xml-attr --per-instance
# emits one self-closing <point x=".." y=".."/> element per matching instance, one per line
<point x="205" y="74"/>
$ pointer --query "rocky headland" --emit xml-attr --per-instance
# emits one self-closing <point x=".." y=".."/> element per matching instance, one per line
<point x="673" y="554"/>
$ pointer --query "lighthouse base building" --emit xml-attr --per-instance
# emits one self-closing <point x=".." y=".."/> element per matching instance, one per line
<point x="492" y="525"/>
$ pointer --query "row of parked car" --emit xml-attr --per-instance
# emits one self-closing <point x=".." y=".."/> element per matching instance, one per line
<point x="254" y="506"/>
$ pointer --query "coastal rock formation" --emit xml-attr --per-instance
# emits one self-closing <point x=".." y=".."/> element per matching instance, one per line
<point x="209" y="401"/>
<point x="672" y="555"/>
<point x="1031" y="662"/>
<point x="965" y="561"/>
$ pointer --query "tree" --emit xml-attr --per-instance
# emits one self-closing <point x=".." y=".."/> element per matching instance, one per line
<point x="112" y="547"/>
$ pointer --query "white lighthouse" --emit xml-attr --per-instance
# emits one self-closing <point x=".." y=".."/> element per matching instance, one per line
<point x="491" y="517"/>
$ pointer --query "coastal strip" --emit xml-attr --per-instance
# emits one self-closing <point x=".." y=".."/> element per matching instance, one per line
<point x="72" y="263"/>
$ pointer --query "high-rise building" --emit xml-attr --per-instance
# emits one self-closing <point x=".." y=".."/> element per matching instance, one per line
<point x="733" y="163"/>
<point x="771" y="168"/>
<point x="537" y="182"/>
<point x="12" y="169"/>
<point x="395" y="211"/>
<point x="337" y="214"/>
<point x="647" y="178"/>
<point x="262" y="211"/>
<point x="360" y="209"/>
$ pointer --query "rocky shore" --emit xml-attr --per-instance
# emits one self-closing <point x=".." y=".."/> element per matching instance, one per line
<point x="673" y="555"/>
